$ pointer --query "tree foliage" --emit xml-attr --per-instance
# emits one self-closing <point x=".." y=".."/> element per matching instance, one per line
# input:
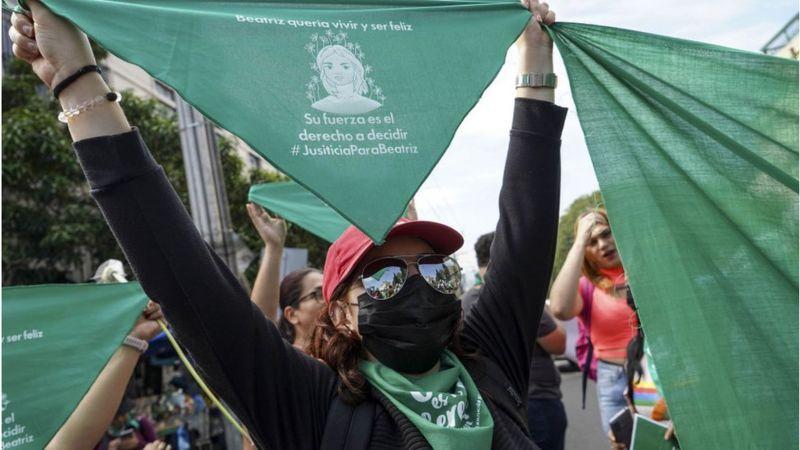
<point x="49" y="221"/>
<point x="51" y="224"/>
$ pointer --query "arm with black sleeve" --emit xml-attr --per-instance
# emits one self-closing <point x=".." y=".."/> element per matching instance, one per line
<point x="281" y="395"/>
<point x="503" y="323"/>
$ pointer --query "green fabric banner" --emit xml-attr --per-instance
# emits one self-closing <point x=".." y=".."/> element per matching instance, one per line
<point x="56" y="340"/>
<point x="355" y="100"/>
<point x="297" y="205"/>
<point x="696" y="151"/>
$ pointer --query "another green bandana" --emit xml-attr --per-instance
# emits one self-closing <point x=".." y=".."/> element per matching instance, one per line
<point x="356" y="100"/>
<point x="446" y="406"/>
<point x="696" y="150"/>
<point x="301" y="207"/>
<point x="56" y="340"/>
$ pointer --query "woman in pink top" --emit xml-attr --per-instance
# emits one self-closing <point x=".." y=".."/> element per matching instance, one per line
<point x="592" y="286"/>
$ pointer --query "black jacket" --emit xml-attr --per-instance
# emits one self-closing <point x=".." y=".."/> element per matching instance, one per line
<point x="281" y="395"/>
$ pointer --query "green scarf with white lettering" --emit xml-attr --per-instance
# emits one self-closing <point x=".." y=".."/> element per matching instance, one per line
<point x="445" y="406"/>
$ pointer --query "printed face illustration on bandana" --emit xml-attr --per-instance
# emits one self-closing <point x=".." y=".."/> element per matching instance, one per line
<point x="343" y="77"/>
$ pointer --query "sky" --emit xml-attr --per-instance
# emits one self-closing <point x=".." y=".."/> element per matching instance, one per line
<point x="463" y="189"/>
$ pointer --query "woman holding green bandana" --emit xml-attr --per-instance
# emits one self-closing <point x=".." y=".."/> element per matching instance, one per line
<point x="394" y="364"/>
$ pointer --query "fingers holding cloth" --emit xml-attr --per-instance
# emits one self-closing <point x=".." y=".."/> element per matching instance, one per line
<point x="541" y="11"/>
<point x="53" y="46"/>
<point x="536" y="49"/>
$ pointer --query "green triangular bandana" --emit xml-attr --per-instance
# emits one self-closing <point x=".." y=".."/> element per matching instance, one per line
<point x="56" y="340"/>
<point x="355" y="100"/>
<point x="295" y="204"/>
<point x="696" y="150"/>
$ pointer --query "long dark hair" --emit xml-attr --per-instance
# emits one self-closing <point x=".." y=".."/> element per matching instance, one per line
<point x="291" y="287"/>
<point x="635" y="352"/>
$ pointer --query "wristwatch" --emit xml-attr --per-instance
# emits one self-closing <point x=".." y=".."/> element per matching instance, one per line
<point x="537" y="80"/>
<point x="134" y="342"/>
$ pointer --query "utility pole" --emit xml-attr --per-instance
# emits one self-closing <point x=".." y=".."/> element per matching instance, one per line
<point x="207" y="198"/>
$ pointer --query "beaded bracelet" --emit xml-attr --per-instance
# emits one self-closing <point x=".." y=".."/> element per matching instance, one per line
<point x="65" y="116"/>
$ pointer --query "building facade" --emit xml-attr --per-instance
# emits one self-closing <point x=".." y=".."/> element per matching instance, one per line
<point x="122" y="75"/>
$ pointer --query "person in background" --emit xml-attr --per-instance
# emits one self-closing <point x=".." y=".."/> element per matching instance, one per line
<point x="482" y="247"/>
<point x="592" y="286"/>
<point x="128" y="431"/>
<point x="547" y="419"/>
<point x="272" y="231"/>
<point x="299" y="294"/>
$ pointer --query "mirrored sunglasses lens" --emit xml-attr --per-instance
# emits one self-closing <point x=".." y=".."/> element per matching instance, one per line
<point x="384" y="278"/>
<point x="441" y="272"/>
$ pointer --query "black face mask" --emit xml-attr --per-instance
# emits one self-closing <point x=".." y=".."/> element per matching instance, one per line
<point x="409" y="331"/>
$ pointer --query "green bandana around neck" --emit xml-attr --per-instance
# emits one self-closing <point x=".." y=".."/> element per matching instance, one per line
<point x="445" y="406"/>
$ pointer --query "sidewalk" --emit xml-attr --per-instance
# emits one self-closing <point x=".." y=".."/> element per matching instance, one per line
<point x="583" y="429"/>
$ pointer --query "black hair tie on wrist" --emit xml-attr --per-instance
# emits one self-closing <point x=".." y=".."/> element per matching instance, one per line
<point x="70" y="79"/>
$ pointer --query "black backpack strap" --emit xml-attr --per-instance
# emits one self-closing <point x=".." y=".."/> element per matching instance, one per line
<point x="348" y="427"/>
<point x="586" y="368"/>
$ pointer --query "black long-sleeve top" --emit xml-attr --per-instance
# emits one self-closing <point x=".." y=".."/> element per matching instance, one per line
<point x="281" y="395"/>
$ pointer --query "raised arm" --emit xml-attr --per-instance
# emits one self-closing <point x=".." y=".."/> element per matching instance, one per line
<point x="88" y="423"/>
<point x="504" y="322"/>
<point x="280" y="394"/>
<point x="266" y="288"/>
<point x="565" y="299"/>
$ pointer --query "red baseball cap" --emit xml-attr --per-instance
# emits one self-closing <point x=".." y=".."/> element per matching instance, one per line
<point x="345" y="254"/>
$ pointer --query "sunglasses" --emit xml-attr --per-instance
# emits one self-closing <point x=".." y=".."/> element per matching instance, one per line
<point x="384" y="277"/>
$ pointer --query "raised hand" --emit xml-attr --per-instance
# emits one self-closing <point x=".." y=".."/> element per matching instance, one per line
<point x="146" y="327"/>
<point x="271" y="229"/>
<point x="535" y="37"/>
<point x="53" y="46"/>
<point x="585" y="225"/>
<point x="536" y="50"/>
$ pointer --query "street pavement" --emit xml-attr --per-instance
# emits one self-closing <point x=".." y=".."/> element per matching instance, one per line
<point x="583" y="429"/>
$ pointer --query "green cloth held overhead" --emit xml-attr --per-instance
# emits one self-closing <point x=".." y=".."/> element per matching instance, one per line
<point x="695" y="148"/>
<point x="355" y="100"/>
<point x="297" y="205"/>
<point x="56" y="340"/>
<point x="696" y="151"/>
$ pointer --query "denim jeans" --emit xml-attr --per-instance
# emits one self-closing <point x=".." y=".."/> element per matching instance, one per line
<point x="547" y="421"/>
<point x="611" y="385"/>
